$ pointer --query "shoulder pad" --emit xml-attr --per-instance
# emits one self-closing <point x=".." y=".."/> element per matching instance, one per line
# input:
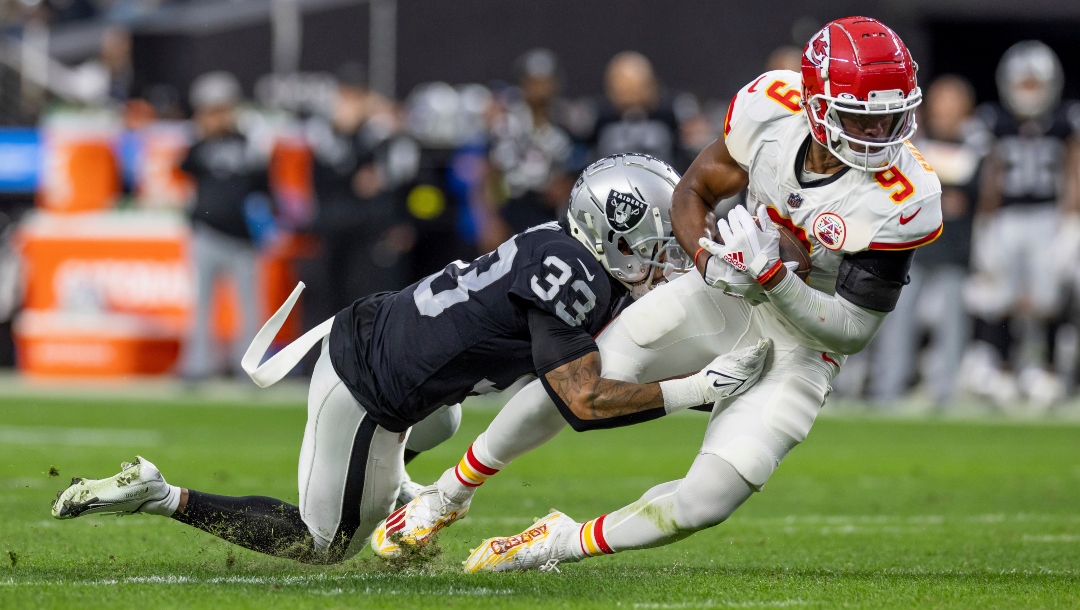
<point x="899" y="209"/>
<point x="774" y="95"/>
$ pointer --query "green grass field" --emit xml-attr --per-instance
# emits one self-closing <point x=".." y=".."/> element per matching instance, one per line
<point x="867" y="513"/>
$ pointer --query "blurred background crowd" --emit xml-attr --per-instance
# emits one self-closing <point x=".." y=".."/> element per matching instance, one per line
<point x="170" y="168"/>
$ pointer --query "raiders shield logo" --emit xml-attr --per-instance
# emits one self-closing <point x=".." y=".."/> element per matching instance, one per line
<point x="624" y="211"/>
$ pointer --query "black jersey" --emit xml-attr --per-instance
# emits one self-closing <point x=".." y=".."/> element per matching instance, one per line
<point x="1032" y="152"/>
<point x="465" y="330"/>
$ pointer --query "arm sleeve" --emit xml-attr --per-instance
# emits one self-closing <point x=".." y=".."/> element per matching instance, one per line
<point x="873" y="279"/>
<point x="840" y="325"/>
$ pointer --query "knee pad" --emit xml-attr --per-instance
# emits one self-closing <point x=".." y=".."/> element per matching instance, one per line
<point x="435" y="429"/>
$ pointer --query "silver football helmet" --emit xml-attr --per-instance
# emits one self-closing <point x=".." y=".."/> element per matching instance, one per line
<point x="1029" y="79"/>
<point x="620" y="209"/>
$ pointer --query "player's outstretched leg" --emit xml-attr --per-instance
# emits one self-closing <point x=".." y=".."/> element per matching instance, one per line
<point x="529" y="420"/>
<point x="669" y="512"/>
<point x="350" y="473"/>
<point x="261" y="524"/>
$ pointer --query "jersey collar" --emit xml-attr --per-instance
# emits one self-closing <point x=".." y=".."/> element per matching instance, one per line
<point x="800" y="160"/>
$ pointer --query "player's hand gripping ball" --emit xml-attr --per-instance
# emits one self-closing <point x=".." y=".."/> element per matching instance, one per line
<point x="740" y="243"/>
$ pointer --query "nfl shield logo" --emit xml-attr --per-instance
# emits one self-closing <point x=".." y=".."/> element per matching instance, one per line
<point x="829" y="229"/>
<point x="794" y="200"/>
<point x="624" y="211"/>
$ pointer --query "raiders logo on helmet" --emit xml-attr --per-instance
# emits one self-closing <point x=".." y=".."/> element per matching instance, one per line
<point x="624" y="211"/>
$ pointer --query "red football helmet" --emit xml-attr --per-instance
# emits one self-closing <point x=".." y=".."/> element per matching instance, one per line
<point x="860" y="92"/>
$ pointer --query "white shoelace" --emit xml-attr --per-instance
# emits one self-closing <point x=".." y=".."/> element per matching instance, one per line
<point x="551" y="565"/>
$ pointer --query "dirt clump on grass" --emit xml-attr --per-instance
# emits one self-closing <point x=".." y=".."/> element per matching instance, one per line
<point x="414" y="558"/>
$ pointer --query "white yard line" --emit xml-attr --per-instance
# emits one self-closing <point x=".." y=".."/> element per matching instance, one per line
<point x="78" y="437"/>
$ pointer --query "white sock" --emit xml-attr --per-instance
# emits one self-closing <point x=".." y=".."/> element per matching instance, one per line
<point x="460" y="482"/>
<point x="165" y="506"/>
<point x="451" y="487"/>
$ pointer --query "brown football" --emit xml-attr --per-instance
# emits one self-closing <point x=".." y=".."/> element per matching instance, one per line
<point x="791" y="249"/>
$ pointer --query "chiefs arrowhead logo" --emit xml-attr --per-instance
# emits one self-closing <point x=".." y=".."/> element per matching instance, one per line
<point x="624" y="211"/>
<point x="817" y="50"/>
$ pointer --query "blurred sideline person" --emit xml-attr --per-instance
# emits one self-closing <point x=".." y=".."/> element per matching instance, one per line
<point x="830" y="161"/>
<point x="354" y="208"/>
<point x="226" y="171"/>
<point x="784" y="58"/>
<point x="634" y="116"/>
<point x="1029" y="187"/>
<point x="396" y="364"/>
<point x="530" y="153"/>
<point x="952" y="144"/>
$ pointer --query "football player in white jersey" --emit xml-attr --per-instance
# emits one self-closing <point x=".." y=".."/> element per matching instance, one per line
<point x="830" y="161"/>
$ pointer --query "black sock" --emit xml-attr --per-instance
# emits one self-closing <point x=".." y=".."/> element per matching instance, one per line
<point x="410" y="455"/>
<point x="258" y="523"/>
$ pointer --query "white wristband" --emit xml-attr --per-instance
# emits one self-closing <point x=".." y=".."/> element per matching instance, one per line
<point x="681" y="394"/>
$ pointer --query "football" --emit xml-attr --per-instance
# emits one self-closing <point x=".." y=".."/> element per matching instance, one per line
<point x="794" y="250"/>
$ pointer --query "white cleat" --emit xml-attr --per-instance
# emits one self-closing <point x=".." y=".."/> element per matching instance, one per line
<point x="537" y="548"/>
<point x="137" y="483"/>
<point x="415" y="523"/>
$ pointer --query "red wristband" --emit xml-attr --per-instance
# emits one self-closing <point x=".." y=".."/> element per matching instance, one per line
<point x="697" y="254"/>
<point x="770" y="272"/>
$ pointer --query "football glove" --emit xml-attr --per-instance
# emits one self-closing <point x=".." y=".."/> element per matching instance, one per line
<point x="752" y="247"/>
<point x="733" y="282"/>
<point x="727" y="375"/>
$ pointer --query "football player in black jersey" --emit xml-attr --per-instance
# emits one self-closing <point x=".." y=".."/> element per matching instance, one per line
<point x="392" y="360"/>
<point x="1030" y="184"/>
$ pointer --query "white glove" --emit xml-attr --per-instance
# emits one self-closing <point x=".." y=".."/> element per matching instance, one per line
<point x="728" y="375"/>
<point x="748" y="247"/>
<point x="733" y="282"/>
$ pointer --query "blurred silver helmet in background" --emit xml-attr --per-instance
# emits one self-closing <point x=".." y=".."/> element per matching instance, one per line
<point x="214" y="89"/>
<point x="439" y="115"/>
<point x="1029" y="79"/>
<point x="620" y="209"/>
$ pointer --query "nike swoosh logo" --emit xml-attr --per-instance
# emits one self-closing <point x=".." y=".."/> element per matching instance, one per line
<point x="752" y="88"/>
<point x="906" y="219"/>
<point x="590" y="276"/>
<point x="717" y="382"/>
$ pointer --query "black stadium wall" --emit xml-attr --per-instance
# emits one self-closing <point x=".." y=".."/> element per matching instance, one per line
<point x="704" y="46"/>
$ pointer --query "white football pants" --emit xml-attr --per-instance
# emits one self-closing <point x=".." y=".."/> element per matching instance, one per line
<point x="351" y="468"/>
<point x="674" y="330"/>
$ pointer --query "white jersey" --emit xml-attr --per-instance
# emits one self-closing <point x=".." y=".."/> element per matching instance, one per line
<point x="849" y="211"/>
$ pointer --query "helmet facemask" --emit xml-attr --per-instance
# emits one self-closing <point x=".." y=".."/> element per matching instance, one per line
<point x="641" y="258"/>
<point x="866" y="135"/>
<point x="620" y="211"/>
